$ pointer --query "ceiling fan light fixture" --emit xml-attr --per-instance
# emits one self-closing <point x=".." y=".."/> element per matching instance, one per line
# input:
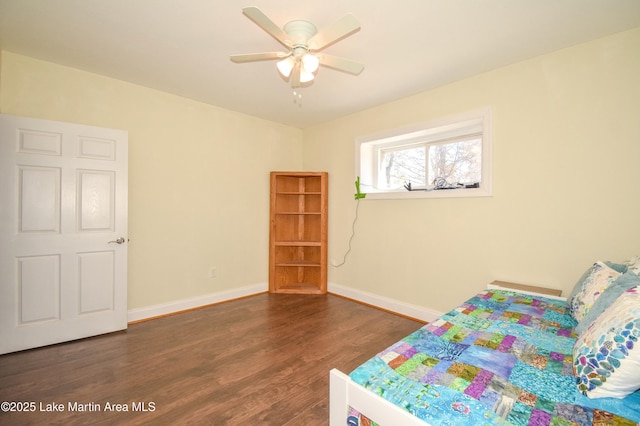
<point x="305" y="76"/>
<point x="310" y="62"/>
<point x="285" y="66"/>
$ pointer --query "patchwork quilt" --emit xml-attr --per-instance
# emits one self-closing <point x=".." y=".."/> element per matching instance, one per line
<point x="499" y="358"/>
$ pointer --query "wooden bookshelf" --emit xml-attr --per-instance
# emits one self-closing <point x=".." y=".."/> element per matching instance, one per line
<point x="298" y="232"/>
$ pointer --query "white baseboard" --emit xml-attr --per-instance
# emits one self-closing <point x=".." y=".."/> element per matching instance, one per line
<point x="406" y="309"/>
<point x="138" y="314"/>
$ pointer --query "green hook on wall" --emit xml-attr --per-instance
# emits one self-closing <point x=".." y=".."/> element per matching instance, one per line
<point x="358" y="195"/>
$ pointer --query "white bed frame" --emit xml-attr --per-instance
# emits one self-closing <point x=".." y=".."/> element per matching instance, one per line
<point x="345" y="393"/>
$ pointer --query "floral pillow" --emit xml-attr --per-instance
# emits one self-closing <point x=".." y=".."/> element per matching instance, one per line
<point x="606" y="356"/>
<point x="623" y="283"/>
<point x="590" y="287"/>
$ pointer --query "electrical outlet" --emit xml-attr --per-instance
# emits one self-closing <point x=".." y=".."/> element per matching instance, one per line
<point x="213" y="272"/>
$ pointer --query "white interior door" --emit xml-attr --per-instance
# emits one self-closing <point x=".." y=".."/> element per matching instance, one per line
<point x="63" y="232"/>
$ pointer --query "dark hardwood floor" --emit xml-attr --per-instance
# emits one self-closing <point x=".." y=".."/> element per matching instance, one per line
<point x="262" y="360"/>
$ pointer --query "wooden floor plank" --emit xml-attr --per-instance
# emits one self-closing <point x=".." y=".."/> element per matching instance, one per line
<point x="259" y="360"/>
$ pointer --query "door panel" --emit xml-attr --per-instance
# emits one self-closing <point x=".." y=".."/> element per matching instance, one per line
<point x="39" y="142"/>
<point x="98" y="149"/>
<point x="38" y="288"/>
<point x="39" y="199"/>
<point x="96" y="200"/>
<point x="63" y="200"/>
<point x="97" y="282"/>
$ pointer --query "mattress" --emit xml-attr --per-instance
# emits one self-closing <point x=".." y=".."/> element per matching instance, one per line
<point x="499" y="358"/>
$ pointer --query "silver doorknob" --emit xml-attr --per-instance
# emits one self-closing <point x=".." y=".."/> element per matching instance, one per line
<point x="120" y="240"/>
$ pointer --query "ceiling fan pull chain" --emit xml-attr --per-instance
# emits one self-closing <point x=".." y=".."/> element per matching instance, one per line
<point x="297" y="98"/>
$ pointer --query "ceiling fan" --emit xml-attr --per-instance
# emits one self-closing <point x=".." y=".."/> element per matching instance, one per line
<point x="304" y="43"/>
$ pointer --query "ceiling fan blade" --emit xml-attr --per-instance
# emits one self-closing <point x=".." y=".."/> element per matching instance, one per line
<point x="251" y="57"/>
<point x="343" y="27"/>
<point x="263" y="21"/>
<point x="340" y="64"/>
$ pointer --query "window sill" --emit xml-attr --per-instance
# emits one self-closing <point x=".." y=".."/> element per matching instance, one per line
<point x="442" y="193"/>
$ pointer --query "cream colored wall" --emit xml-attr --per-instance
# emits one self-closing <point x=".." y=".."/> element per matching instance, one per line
<point x="566" y="193"/>
<point x="198" y="175"/>
<point x="566" y="169"/>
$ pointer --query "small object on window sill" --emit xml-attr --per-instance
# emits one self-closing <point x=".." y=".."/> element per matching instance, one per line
<point x="441" y="183"/>
<point x="408" y="187"/>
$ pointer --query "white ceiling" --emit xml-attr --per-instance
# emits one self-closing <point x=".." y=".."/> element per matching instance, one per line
<point x="407" y="46"/>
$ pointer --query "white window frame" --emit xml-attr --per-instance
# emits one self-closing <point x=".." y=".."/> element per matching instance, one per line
<point x="437" y="131"/>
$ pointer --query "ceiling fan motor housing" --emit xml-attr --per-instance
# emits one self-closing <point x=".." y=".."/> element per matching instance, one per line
<point x="300" y="32"/>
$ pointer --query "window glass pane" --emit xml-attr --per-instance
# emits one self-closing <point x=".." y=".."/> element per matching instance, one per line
<point x="401" y="166"/>
<point x="458" y="162"/>
<point x="448" y="153"/>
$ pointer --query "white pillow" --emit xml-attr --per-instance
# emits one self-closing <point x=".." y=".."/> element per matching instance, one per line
<point x="606" y="356"/>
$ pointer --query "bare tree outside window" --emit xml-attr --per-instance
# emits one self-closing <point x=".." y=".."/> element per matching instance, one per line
<point x="456" y="162"/>
<point x="404" y="165"/>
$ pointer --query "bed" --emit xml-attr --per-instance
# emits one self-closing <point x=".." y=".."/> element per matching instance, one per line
<point x="505" y="357"/>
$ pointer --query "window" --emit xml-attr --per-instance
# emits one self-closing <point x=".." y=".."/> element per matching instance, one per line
<point x="447" y="158"/>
